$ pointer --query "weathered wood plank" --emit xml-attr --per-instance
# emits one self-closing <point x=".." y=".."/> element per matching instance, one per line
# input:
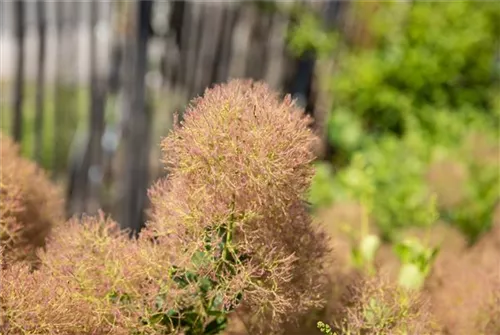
<point x="240" y="42"/>
<point x="276" y="65"/>
<point x="256" y="61"/>
<point x="223" y="58"/>
<point x="137" y="125"/>
<point x="40" y="81"/>
<point x="211" y="33"/>
<point x="17" y="108"/>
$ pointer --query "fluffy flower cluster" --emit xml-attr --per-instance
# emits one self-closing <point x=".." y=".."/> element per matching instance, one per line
<point x="93" y="280"/>
<point x="465" y="289"/>
<point x="374" y="305"/>
<point x="228" y="230"/>
<point x="382" y="307"/>
<point x="30" y="205"/>
<point x="239" y="167"/>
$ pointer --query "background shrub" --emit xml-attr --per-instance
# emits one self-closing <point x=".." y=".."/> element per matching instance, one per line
<point x="463" y="288"/>
<point x="239" y="168"/>
<point x="30" y="205"/>
<point x="402" y="103"/>
<point x="229" y="230"/>
<point x="379" y="307"/>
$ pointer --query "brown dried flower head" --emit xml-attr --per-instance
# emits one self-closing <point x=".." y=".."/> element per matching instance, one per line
<point x="239" y="166"/>
<point x="380" y="306"/>
<point x="229" y="229"/>
<point x="488" y="319"/>
<point x="30" y="205"/>
<point x="92" y="280"/>
<point x="465" y="289"/>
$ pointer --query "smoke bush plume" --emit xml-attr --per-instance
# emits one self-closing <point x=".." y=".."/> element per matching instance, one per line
<point x="30" y="205"/>
<point x="228" y="230"/>
<point x="240" y="164"/>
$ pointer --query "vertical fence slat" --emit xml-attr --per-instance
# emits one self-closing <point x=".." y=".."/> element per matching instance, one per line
<point x="277" y="52"/>
<point x="137" y="126"/>
<point x="96" y="121"/>
<point x="240" y="40"/>
<point x="40" y="81"/>
<point x="66" y="102"/>
<point x="17" y="110"/>
<point x="209" y="38"/>
<point x="258" y="46"/>
<point x="195" y="32"/>
<point x="223" y="58"/>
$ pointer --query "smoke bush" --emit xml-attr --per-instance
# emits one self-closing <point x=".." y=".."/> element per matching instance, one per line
<point x="239" y="168"/>
<point x="92" y="280"/>
<point x="228" y="230"/>
<point x="464" y="289"/>
<point x="30" y="205"/>
<point x="488" y="319"/>
<point x="380" y="307"/>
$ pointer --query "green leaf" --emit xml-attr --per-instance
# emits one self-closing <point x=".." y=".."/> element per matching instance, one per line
<point x="157" y="318"/>
<point x="200" y="258"/>
<point x="205" y="284"/>
<point x="216" y="326"/>
<point x="404" y="252"/>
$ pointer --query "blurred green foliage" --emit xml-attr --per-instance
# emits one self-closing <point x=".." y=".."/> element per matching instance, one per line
<point x="76" y="98"/>
<point x="309" y="35"/>
<point x="416" y="262"/>
<point x="363" y="254"/>
<point x="473" y="215"/>
<point x="385" y="176"/>
<point x="68" y="116"/>
<point x="428" y="79"/>
<point x="77" y="101"/>
<point x="440" y="55"/>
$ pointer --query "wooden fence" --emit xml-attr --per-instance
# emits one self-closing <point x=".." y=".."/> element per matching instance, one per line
<point x="106" y="76"/>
